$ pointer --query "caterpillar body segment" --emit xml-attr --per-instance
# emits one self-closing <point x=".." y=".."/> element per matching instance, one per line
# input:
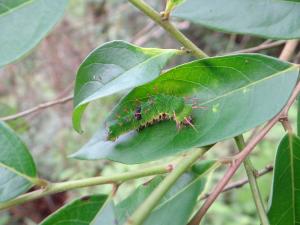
<point x="157" y="108"/>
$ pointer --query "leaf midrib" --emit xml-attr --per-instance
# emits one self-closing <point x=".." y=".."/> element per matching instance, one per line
<point x="291" y="165"/>
<point x="291" y="143"/>
<point x="232" y="91"/>
<point x="28" y="178"/>
<point x="246" y="86"/>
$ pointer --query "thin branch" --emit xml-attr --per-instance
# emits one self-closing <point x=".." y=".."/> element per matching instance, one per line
<point x="53" y="188"/>
<point x="240" y="158"/>
<point x="242" y="182"/>
<point x="253" y="133"/>
<point x="37" y="108"/>
<point x="169" y="27"/>
<point x="287" y="54"/>
<point x="288" y="50"/>
<point x="144" y="31"/>
<point x="260" y="47"/>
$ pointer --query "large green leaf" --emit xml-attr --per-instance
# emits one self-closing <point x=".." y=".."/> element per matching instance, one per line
<point x="24" y="23"/>
<point x="275" y="19"/>
<point x="113" y="67"/>
<point x="79" y="212"/>
<point x="238" y="91"/>
<point x="17" y="169"/>
<point x="285" y="199"/>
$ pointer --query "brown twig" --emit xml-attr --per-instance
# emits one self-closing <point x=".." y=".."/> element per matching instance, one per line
<point x="284" y="120"/>
<point x="288" y="50"/>
<point x="240" y="158"/>
<point x="241" y="183"/>
<point x="140" y="34"/>
<point x="253" y="133"/>
<point x="287" y="54"/>
<point x="37" y="108"/>
<point x="260" y="47"/>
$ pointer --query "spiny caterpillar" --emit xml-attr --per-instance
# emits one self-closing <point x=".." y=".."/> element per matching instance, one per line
<point x="158" y="108"/>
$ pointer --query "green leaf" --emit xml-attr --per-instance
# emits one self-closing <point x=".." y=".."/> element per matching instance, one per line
<point x="24" y="23"/>
<point x="113" y="67"/>
<point x="184" y="193"/>
<point x="17" y="168"/>
<point x="298" y="116"/>
<point x="78" y="212"/>
<point x="285" y="199"/>
<point x="271" y="19"/>
<point x="238" y="91"/>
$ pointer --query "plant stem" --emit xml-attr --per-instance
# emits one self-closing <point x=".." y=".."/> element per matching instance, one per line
<point x="53" y="188"/>
<point x="251" y="173"/>
<point x="169" y="27"/>
<point x="153" y="199"/>
<point x="260" y="47"/>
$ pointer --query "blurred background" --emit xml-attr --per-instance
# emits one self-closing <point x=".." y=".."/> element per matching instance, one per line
<point x="48" y="73"/>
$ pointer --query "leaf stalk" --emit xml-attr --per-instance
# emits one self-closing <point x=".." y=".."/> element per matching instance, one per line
<point x="251" y="174"/>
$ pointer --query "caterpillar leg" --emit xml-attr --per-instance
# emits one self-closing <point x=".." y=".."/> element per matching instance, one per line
<point x="178" y="123"/>
<point x="189" y="123"/>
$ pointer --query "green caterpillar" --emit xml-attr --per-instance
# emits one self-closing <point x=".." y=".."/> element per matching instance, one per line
<point x="158" y="108"/>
